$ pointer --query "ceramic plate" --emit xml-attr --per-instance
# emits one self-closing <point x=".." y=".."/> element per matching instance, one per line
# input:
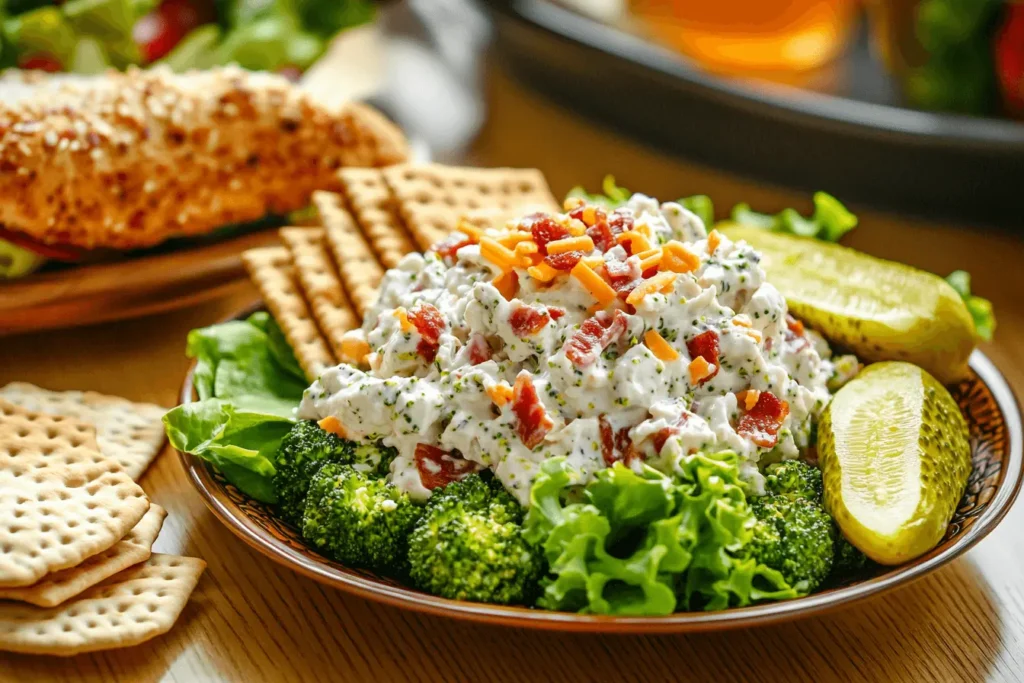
<point x="995" y="426"/>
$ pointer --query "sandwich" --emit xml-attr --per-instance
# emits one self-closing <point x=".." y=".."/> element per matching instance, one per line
<point x="126" y="161"/>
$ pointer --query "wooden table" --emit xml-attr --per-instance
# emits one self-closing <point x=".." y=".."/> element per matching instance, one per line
<point x="251" y="620"/>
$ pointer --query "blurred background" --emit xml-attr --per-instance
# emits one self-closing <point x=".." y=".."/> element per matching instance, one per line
<point x="907" y="105"/>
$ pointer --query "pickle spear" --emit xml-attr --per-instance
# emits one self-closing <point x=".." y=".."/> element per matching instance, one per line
<point x="895" y="458"/>
<point x="879" y="310"/>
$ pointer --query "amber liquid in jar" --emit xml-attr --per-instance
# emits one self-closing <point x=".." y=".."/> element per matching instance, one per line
<point x="751" y="35"/>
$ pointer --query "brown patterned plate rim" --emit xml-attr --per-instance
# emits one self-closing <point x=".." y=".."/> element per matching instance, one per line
<point x="364" y="585"/>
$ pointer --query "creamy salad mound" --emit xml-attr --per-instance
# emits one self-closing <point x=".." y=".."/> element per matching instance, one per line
<point x="629" y="335"/>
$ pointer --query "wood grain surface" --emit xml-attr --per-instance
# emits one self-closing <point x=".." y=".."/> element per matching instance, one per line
<point x="251" y="620"/>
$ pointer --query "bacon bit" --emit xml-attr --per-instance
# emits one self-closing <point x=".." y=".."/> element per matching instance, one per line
<point x="430" y="324"/>
<point x="403" y="319"/>
<point x="479" y="349"/>
<point x="659" y="347"/>
<point x="658" y="283"/>
<point x="507" y="284"/>
<point x="593" y="337"/>
<point x="583" y="244"/>
<point x="555" y="312"/>
<point x="748" y="398"/>
<point x="704" y="345"/>
<point x="795" y="326"/>
<point x="665" y="433"/>
<point x="572" y="203"/>
<point x="714" y="239"/>
<point x="607" y="440"/>
<point x="534" y="423"/>
<point x="624" y="276"/>
<point x="742" y="320"/>
<point x="545" y="229"/>
<point x="564" y="261"/>
<point x="701" y="371"/>
<point x="498" y="254"/>
<point x="762" y="422"/>
<point x="678" y="258"/>
<point x="527" y="321"/>
<point x="594" y="284"/>
<point x="602" y="235"/>
<point x="439" y="468"/>
<point x="500" y="393"/>
<point x="354" y="349"/>
<point x="542" y="272"/>
<point x="638" y="242"/>
<point x="620" y="221"/>
<point x="333" y="425"/>
<point x="449" y="248"/>
<point x="615" y="447"/>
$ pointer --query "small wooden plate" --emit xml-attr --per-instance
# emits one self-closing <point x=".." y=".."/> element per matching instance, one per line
<point x="994" y="420"/>
<point x="126" y="288"/>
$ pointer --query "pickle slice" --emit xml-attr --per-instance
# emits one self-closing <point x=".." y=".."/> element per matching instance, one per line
<point x="895" y="458"/>
<point x="879" y="310"/>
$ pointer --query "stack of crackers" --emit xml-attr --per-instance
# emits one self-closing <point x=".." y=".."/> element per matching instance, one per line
<point x="321" y="281"/>
<point x="77" y="572"/>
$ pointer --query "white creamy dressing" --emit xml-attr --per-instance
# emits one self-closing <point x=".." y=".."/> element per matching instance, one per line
<point x="406" y="401"/>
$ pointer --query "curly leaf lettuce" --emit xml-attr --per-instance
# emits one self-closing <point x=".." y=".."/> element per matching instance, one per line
<point x="615" y="196"/>
<point x="829" y="222"/>
<point x="979" y="308"/>
<point x="648" y="543"/>
<point x="249" y="385"/>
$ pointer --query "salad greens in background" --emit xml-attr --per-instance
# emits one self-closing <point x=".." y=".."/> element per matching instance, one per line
<point x="88" y="36"/>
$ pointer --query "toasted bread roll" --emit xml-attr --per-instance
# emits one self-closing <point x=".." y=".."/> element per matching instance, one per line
<point x="129" y="160"/>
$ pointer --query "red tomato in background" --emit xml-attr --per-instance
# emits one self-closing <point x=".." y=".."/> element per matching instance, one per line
<point x="1009" y="57"/>
<point x="40" y="62"/>
<point x="159" y="31"/>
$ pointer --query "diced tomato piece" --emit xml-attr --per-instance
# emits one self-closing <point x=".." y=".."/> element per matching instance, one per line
<point x="534" y="423"/>
<point x="593" y="337"/>
<point x="620" y="221"/>
<point x="555" y="312"/>
<point x="158" y="32"/>
<point x="40" y="61"/>
<point x="705" y="345"/>
<point x="762" y="422"/>
<point x="430" y="324"/>
<point x="448" y="249"/>
<point x="602" y="235"/>
<point x="527" y="321"/>
<point x="1009" y="58"/>
<point x="479" y="349"/>
<point x="566" y="261"/>
<point x="439" y="468"/>
<point x="544" y="229"/>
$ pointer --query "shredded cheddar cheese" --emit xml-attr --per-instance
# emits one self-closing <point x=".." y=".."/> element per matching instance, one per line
<point x="639" y="241"/>
<point x="514" y="239"/>
<point x="652" y="260"/>
<point x="583" y="243"/>
<point x="748" y="398"/>
<point x="542" y="272"/>
<point x="589" y="215"/>
<point x="498" y="254"/>
<point x="742" y="320"/>
<point x="659" y="282"/>
<point x="571" y="203"/>
<point x="354" y="350"/>
<point x="699" y="369"/>
<point x="594" y="283"/>
<point x="403" y="319"/>
<point x="500" y="393"/>
<point x="576" y="227"/>
<point x="661" y="349"/>
<point x="507" y="284"/>
<point x="678" y="258"/>
<point x="755" y="335"/>
<point x="332" y="425"/>
<point x="593" y="261"/>
<point x="714" y="239"/>
<point x="469" y="230"/>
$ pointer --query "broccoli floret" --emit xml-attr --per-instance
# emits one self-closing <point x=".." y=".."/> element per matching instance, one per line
<point x="849" y="561"/>
<point x="303" y="452"/>
<point x="306" y="449"/>
<point x="794" y="537"/>
<point x="469" y="546"/>
<point x="359" y="519"/>
<point x="795" y="479"/>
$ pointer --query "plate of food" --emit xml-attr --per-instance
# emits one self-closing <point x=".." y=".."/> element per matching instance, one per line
<point x="607" y="414"/>
<point x="129" y="193"/>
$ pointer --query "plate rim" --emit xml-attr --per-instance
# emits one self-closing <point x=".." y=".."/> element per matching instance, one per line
<point x="680" y="622"/>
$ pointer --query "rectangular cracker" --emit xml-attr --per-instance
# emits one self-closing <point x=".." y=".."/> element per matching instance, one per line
<point x="62" y="585"/>
<point x="271" y="269"/>
<point x="374" y="209"/>
<point x="130" y="433"/>
<point x="61" y="500"/>
<point x="127" y="609"/>
<point x="432" y="197"/>
<point x="321" y="284"/>
<point x="360" y="271"/>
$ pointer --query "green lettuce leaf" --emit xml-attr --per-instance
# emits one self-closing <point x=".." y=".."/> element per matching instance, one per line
<point x="979" y="308"/>
<point x="249" y="385"/>
<point x="829" y="222"/>
<point x="615" y="196"/>
<point x="702" y="206"/>
<point x="648" y="543"/>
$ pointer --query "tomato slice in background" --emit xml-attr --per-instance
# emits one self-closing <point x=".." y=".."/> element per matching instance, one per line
<point x="1009" y="58"/>
<point x="158" y="32"/>
<point x="40" y="62"/>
